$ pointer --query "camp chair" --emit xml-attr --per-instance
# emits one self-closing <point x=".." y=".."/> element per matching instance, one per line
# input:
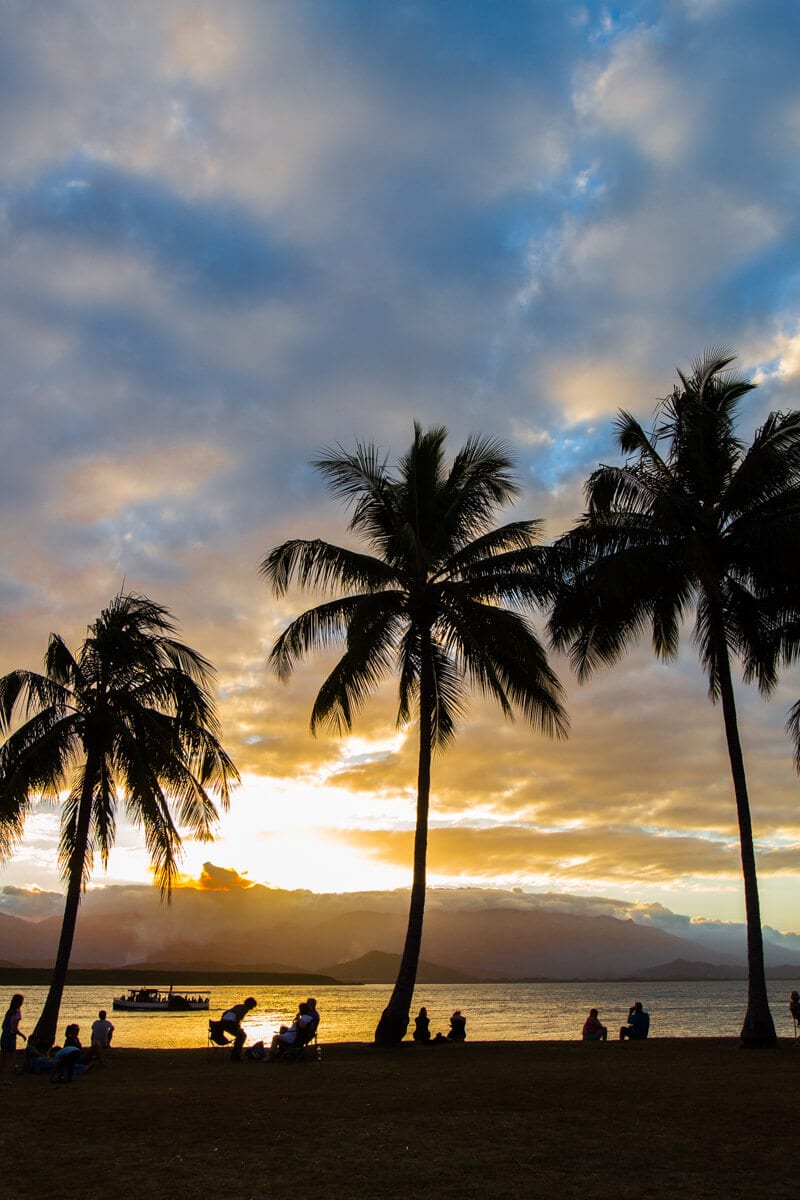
<point x="305" y="1036"/>
<point x="215" y="1037"/>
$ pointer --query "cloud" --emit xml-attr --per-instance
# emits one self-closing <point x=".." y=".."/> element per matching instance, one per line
<point x="221" y="879"/>
<point x="233" y="235"/>
<point x="214" y="249"/>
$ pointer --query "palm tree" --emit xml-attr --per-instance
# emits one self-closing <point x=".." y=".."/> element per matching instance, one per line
<point x="129" y="716"/>
<point x="427" y="601"/>
<point x="692" y="521"/>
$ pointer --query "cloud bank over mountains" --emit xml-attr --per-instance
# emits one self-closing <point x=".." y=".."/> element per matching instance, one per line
<point x="480" y="932"/>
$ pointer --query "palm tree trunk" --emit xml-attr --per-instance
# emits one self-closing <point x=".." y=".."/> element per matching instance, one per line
<point x="47" y="1025"/>
<point x="392" y="1026"/>
<point x="758" y="1028"/>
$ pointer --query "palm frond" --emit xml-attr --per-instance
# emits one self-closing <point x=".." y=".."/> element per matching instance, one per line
<point x="318" y="628"/>
<point x="319" y="565"/>
<point x="501" y="655"/>
<point x="793" y="729"/>
<point x="373" y="633"/>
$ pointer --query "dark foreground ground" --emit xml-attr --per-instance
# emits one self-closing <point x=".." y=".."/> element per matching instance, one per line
<point x="669" y="1118"/>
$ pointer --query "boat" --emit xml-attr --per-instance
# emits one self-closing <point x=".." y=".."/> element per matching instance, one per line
<point x="154" y="999"/>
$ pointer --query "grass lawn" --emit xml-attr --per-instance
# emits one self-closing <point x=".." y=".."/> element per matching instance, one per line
<point x="665" y="1118"/>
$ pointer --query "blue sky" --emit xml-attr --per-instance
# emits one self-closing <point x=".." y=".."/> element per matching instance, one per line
<point x="233" y="234"/>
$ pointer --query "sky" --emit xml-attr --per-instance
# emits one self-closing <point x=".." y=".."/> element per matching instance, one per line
<point x="235" y="234"/>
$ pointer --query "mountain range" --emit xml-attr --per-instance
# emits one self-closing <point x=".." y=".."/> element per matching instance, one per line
<point x="477" y="934"/>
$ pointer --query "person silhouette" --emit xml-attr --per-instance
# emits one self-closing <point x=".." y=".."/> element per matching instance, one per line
<point x="8" y="1037"/>
<point x="794" y="1008"/>
<point x="458" y="1027"/>
<point x="422" y="1027"/>
<point x="232" y="1023"/>
<point x="638" y="1025"/>
<point x="592" y="1030"/>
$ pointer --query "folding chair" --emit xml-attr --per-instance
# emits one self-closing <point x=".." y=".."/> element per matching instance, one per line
<point x="215" y="1039"/>
<point x="297" y="1051"/>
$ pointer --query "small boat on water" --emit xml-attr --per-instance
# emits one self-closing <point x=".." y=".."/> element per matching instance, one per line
<point x="153" y="999"/>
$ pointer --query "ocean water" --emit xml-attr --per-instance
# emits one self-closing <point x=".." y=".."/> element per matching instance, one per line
<point x="494" y="1012"/>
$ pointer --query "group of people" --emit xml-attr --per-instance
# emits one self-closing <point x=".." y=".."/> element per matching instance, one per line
<point x="72" y="1056"/>
<point x="422" y="1029"/>
<point x="636" y="1030"/>
<point x="63" y="1061"/>
<point x="299" y="1032"/>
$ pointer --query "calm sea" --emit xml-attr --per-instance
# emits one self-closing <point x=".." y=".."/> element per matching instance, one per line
<point x="494" y="1012"/>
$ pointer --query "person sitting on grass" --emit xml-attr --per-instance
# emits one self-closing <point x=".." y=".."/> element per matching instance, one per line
<point x="36" y="1058"/>
<point x="593" y="1031"/>
<point x="292" y="1035"/>
<point x="458" y="1027"/>
<point x="71" y="1058"/>
<point x="422" y="1027"/>
<point x="102" y="1032"/>
<point x="638" y="1025"/>
<point x="231" y="1022"/>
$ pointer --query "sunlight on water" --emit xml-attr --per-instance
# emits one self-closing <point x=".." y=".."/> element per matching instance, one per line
<point x="494" y="1012"/>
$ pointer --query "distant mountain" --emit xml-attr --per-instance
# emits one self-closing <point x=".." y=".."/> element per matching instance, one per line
<point x="377" y="967"/>
<point x="478" y="934"/>
<point x="680" y="969"/>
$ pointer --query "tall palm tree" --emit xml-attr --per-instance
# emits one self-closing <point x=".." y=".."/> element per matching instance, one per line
<point x="427" y="601"/>
<point x="692" y="521"/>
<point x="128" y="718"/>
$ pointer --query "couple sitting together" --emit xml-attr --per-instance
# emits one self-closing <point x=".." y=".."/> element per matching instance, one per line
<point x="302" y="1030"/>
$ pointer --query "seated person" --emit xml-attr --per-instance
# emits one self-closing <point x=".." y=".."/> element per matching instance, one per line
<point x="102" y="1032"/>
<point x="71" y="1058"/>
<point x="315" y="1017"/>
<point x="298" y="1033"/>
<point x="638" y="1025"/>
<point x="593" y="1031"/>
<point x="231" y="1022"/>
<point x="458" y="1027"/>
<point x="36" y="1059"/>
<point x="422" y="1027"/>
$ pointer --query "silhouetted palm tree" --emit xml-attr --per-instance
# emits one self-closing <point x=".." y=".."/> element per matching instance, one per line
<point x="129" y="719"/>
<point x="692" y="521"/>
<point x="427" y="603"/>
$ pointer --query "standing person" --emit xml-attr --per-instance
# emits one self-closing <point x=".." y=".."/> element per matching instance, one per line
<point x="638" y="1025"/>
<point x="422" y="1026"/>
<point x="8" y="1037"/>
<point x="593" y="1030"/>
<point x="458" y="1027"/>
<point x="794" y="1007"/>
<point x="232" y="1023"/>
<point x="102" y="1030"/>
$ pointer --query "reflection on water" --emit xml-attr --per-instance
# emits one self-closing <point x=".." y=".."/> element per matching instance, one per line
<point x="495" y="1012"/>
